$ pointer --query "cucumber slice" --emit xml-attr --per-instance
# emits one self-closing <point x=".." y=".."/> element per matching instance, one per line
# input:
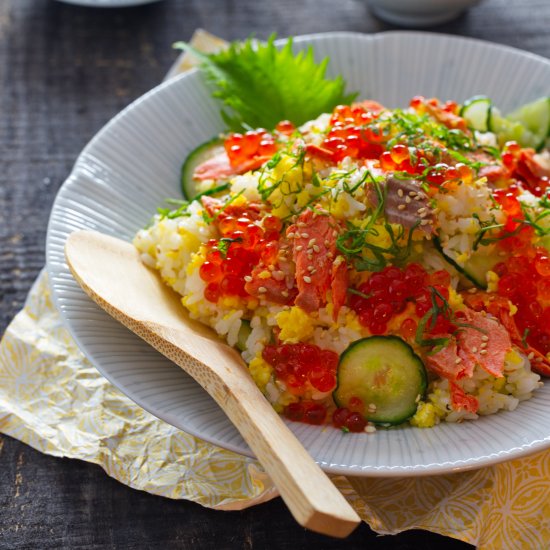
<point x="509" y="130"/>
<point x="201" y="154"/>
<point x="477" y="112"/>
<point x="476" y="268"/>
<point x="383" y="371"/>
<point x="244" y="333"/>
<point x="535" y="118"/>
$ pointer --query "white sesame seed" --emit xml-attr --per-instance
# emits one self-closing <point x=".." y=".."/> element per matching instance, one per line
<point x="262" y="290"/>
<point x="327" y="243"/>
<point x="483" y="345"/>
<point x="472" y="290"/>
<point x="423" y="215"/>
<point x="418" y="198"/>
<point x="301" y="224"/>
<point x="312" y="242"/>
<point x="485" y="338"/>
<point x="421" y="210"/>
<point x="305" y="235"/>
<point x="458" y="360"/>
<point x="309" y="256"/>
<point x="290" y="235"/>
<point x="530" y="356"/>
<point x="401" y="207"/>
<point x="310" y="268"/>
<point x="278" y="275"/>
<point x="425" y="222"/>
<point x="307" y="279"/>
<point x="248" y="278"/>
<point x="474" y="350"/>
<point x="483" y="352"/>
<point x="285" y="293"/>
<point x="316" y="248"/>
<point x="408" y="200"/>
<point x="299" y="247"/>
<point x="412" y="193"/>
<point x="314" y="271"/>
<point x="400" y="192"/>
<point x="335" y="233"/>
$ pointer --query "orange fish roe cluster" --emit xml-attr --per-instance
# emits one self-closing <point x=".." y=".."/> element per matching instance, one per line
<point x="230" y="260"/>
<point x="387" y="293"/>
<point x="244" y="147"/>
<point x="525" y="281"/>
<point x="298" y="365"/>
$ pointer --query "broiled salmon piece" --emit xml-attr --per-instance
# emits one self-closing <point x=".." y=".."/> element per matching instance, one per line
<point x="317" y="265"/>
<point x="279" y="287"/>
<point x="460" y="400"/>
<point x="449" y="363"/>
<point x="219" y="168"/>
<point x="500" y="308"/>
<point x="446" y="362"/>
<point x="486" y="343"/>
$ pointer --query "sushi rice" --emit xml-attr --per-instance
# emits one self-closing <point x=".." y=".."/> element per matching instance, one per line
<point x="178" y="246"/>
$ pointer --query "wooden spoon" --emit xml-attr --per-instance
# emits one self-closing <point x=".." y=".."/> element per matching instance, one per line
<point x="111" y="273"/>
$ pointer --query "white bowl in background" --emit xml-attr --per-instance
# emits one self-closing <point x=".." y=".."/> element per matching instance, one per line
<point x="419" y="13"/>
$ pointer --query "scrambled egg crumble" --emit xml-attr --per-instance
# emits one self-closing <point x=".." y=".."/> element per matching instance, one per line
<point x="295" y="324"/>
<point x="260" y="372"/>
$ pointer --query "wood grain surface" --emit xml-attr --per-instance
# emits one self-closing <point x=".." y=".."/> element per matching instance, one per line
<point x="64" y="72"/>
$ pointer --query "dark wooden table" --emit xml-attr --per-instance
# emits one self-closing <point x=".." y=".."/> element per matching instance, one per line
<point x="64" y="72"/>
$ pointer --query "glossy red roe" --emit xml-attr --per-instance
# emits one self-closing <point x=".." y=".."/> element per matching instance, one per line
<point x="347" y="420"/>
<point x="386" y="294"/>
<point x="230" y="259"/>
<point x="299" y="364"/>
<point x="525" y="281"/>
<point x="241" y="148"/>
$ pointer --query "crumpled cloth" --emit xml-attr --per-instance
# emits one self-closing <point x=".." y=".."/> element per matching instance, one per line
<point x="54" y="400"/>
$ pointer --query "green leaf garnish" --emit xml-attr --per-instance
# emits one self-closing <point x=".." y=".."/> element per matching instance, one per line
<point x="262" y="84"/>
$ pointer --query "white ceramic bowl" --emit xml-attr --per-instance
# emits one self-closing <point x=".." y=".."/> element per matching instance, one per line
<point x="133" y="164"/>
<point x="419" y="13"/>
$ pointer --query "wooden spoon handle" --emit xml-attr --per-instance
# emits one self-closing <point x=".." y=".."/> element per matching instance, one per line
<point x="307" y="491"/>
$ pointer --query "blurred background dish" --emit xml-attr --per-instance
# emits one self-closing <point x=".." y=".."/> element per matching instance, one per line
<point x="108" y="3"/>
<point x="419" y="13"/>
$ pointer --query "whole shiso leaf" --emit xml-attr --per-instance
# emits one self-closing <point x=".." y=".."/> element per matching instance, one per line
<point x="262" y="84"/>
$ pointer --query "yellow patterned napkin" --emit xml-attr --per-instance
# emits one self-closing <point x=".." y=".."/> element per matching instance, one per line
<point x="53" y="399"/>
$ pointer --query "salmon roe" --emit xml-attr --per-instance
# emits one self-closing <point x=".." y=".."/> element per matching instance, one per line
<point x="352" y="134"/>
<point x="241" y="148"/>
<point x="301" y="366"/>
<point x="244" y="241"/>
<point x="525" y="281"/>
<point x="386" y="294"/>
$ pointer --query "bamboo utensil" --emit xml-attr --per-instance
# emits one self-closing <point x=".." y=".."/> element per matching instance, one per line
<point x="111" y="273"/>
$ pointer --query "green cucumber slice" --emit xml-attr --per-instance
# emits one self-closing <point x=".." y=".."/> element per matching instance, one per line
<point x="385" y="372"/>
<point x="477" y="112"/>
<point x="475" y="269"/>
<point x="535" y="118"/>
<point x="195" y="158"/>
<point x="244" y="333"/>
